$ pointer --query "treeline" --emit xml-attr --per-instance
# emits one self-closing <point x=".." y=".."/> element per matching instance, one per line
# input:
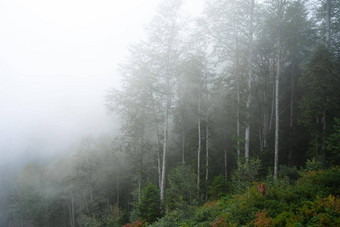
<point x="245" y="80"/>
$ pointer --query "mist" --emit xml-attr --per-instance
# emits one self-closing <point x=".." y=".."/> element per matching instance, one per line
<point x="58" y="60"/>
<point x="110" y="107"/>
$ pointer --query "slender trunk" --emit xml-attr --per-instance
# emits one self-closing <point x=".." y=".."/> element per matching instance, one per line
<point x="165" y="143"/>
<point x="272" y="111"/>
<point x="237" y="63"/>
<point x="117" y="185"/>
<point x="276" y="158"/>
<point x="291" y="118"/>
<point x="199" y="138"/>
<point x="250" y="75"/>
<point x="328" y="42"/>
<point x="91" y="193"/>
<point x="277" y="80"/>
<point x="265" y="112"/>
<point x="159" y="167"/>
<point x="323" y="122"/>
<point x="238" y="123"/>
<point x="317" y="136"/>
<point x="140" y="167"/>
<point x="183" y="146"/>
<point x="86" y="205"/>
<point x="225" y="163"/>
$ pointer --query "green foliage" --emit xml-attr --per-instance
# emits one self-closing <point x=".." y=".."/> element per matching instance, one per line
<point x="320" y="212"/>
<point x="217" y="188"/>
<point x="313" y="201"/>
<point x="176" y="217"/>
<point x="149" y="207"/>
<point x="333" y="144"/>
<point x="116" y="217"/>
<point x="292" y="173"/>
<point x="320" y="92"/>
<point x="207" y="213"/>
<point x="182" y="190"/>
<point x="87" y="221"/>
<point x="245" y="174"/>
<point x="313" y="165"/>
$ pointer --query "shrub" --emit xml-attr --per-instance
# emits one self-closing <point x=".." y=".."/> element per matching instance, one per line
<point x="182" y="190"/>
<point x="149" y="207"/>
<point x="262" y="220"/>
<point x="244" y="176"/>
<point x="217" y="188"/>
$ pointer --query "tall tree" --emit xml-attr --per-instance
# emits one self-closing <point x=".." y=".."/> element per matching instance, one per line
<point x="250" y="76"/>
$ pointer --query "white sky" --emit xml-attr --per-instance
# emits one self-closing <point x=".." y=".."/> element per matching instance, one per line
<point x="57" y="61"/>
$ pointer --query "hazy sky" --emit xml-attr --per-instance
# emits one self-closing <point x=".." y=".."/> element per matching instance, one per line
<point x="57" y="61"/>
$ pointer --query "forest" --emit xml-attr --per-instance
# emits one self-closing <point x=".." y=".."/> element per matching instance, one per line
<point x="231" y="118"/>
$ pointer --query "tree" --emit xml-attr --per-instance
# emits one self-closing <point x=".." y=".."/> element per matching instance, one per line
<point x="182" y="191"/>
<point x="319" y="84"/>
<point x="149" y="206"/>
<point x="280" y="12"/>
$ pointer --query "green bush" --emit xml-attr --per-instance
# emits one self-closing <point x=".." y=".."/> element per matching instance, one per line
<point x="149" y="207"/>
<point x="218" y="188"/>
<point x="312" y="201"/>
<point x="246" y="173"/>
<point x="182" y="190"/>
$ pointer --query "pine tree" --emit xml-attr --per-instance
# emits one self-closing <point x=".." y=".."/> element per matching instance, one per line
<point x="149" y="206"/>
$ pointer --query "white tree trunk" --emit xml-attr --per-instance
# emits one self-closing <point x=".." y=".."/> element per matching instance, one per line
<point x="250" y="75"/>
<point x="277" y="80"/>
<point x="199" y="139"/>
<point x="277" y="114"/>
<point x="165" y="142"/>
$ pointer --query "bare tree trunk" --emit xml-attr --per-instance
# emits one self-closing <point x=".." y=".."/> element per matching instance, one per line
<point x="277" y="118"/>
<point x="265" y="113"/>
<point x="225" y="162"/>
<point x="250" y="75"/>
<point x="291" y="123"/>
<point x="165" y="143"/>
<point x="238" y="123"/>
<point x="291" y="118"/>
<point x="183" y="146"/>
<point x="117" y="185"/>
<point x="91" y="192"/>
<point x="159" y="167"/>
<point x="277" y="80"/>
<point x="140" y="166"/>
<point x="272" y="111"/>
<point x="328" y="41"/>
<point x="199" y="138"/>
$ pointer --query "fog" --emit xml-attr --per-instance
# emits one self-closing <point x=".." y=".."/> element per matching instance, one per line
<point x="57" y="61"/>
